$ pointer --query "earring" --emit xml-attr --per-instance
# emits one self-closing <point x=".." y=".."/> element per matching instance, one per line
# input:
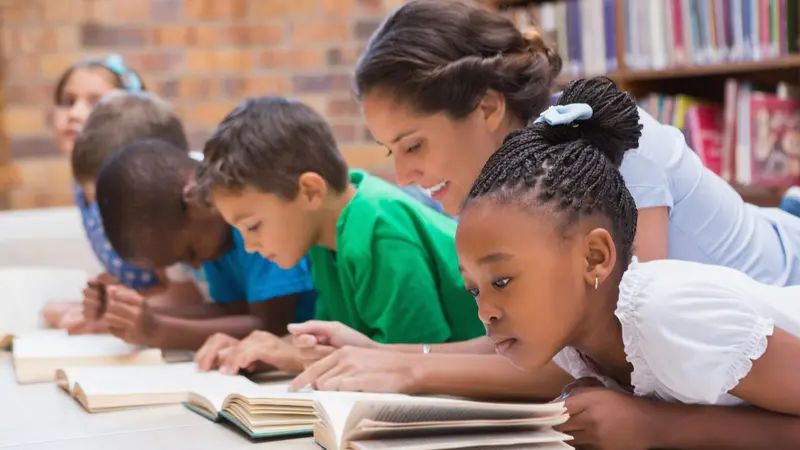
<point x="596" y="282"/>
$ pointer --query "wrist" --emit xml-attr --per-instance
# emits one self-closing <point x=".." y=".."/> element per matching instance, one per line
<point x="417" y="373"/>
<point x="155" y="338"/>
<point x="656" y="424"/>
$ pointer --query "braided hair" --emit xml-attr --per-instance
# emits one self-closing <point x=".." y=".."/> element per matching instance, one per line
<point x="572" y="168"/>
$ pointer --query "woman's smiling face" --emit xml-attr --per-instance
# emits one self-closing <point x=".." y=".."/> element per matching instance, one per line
<point x="434" y="151"/>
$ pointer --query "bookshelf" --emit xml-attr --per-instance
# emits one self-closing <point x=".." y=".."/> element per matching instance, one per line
<point x="701" y="77"/>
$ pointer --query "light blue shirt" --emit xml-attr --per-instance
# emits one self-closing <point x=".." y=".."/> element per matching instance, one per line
<point x="242" y="276"/>
<point x="708" y="220"/>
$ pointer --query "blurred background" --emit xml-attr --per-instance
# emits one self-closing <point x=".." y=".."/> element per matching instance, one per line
<point x="704" y="66"/>
<point x="202" y="55"/>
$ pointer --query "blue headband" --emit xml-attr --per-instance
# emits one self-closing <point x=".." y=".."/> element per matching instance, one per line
<point x="565" y="114"/>
<point x="130" y="81"/>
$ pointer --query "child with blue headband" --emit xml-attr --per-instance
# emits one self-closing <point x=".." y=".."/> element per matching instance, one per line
<point x="77" y="92"/>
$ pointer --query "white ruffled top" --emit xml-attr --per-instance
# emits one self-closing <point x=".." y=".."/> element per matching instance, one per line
<point x="692" y="331"/>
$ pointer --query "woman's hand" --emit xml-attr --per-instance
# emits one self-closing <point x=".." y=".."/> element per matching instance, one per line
<point x="359" y="369"/>
<point x="317" y="339"/>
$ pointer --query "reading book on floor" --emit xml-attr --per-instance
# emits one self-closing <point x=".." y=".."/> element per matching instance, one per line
<point x="26" y="290"/>
<point x="103" y="388"/>
<point x="376" y="421"/>
<point x="260" y="411"/>
<point x="38" y="355"/>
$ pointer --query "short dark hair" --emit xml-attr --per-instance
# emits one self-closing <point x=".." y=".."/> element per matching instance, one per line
<point x="139" y="193"/>
<point x="267" y="143"/>
<point x="572" y="168"/>
<point x="121" y="118"/>
<point x="92" y="63"/>
<point x="443" y="55"/>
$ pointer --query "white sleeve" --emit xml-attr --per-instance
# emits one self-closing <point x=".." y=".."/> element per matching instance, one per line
<point x="179" y="274"/>
<point x="696" y="338"/>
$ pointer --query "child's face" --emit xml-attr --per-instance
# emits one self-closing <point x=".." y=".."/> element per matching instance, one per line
<point x="279" y="230"/>
<point x="528" y="280"/>
<point x="82" y="90"/>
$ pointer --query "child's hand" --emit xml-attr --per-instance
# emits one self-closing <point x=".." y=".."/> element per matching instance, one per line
<point x="94" y="296"/>
<point x="606" y="419"/>
<point x="207" y="358"/>
<point x="317" y="339"/>
<point x="260" y="351"/>
<point x="129" y="317"/>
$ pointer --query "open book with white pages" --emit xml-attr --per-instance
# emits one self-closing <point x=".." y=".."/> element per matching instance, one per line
<point x="351" y="420"/>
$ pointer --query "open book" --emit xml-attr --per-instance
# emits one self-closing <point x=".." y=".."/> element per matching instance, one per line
<point x="102" y="388"/>
<point x="378" y="421"/>
<point x="260" y="411"/>
<point x="27" y="289"/>
<point x="39" y="354"/>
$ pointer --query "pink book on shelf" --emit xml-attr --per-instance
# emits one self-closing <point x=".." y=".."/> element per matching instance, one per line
<point x="775" y="140"/>
<point x="729" y="130"/>
<point x="705" y="130"/>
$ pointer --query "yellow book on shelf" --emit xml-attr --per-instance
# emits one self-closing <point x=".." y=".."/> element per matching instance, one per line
<point x="38" y="355"/>
<point x="103" y="388"/>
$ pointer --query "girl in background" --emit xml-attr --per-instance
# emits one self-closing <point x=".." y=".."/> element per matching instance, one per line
<point x="78" y="89"/>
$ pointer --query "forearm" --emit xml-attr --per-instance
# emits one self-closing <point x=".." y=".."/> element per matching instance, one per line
<point x="484" y="377"/>
<point x="692" y="427"/>
<point x="191" y="333"/>
<point x="199" y="311"/>
<point x="478" y="346"/>
<point x="178" y="295"/>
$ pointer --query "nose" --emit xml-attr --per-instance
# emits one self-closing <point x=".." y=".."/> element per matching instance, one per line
<point x="488" y="312"/>
<point x="80" y="111"/>
<point x="406" y="170"/>
<point x="251" y="246"/>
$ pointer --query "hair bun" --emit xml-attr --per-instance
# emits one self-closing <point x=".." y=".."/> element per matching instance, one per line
<point x="537" y="45"/>
<point x="614" y="127"/>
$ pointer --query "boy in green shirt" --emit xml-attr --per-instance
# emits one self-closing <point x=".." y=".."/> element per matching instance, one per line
<point x="383" y="263"/>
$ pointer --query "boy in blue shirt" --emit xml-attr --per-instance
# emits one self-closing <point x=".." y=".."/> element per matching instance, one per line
<point x="145" y="193"/>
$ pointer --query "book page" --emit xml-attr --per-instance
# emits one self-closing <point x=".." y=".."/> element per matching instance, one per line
<point x="427" y="409"/>
<point x="215" y="387"/>
<point x="25" y="290"/>
<point x="334" y="409"/>
<point x="534" y="440"/>
<point x="131" y="380"/>
<point x="58" y="344"/>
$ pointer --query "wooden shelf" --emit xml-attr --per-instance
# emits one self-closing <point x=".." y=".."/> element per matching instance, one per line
<point x="632" y="76"/>
<point x="784" y="62"/>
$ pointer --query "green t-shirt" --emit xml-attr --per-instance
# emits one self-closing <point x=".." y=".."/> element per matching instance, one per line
<point x="394" y="276"/>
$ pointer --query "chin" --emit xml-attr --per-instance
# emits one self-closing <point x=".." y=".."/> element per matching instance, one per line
<point x="523" y="358"/>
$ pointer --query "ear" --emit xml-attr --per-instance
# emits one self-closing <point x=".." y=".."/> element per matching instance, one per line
<point x="189" y="193"/>
<point x="492" y="109"/>
<point x="601" y="256"/>
<point x="311" y="190"/>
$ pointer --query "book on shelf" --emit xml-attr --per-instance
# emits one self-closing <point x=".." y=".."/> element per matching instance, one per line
<point x="352" y="420"/>
<point x="38" y="355"/>
<point x="104" y="388"/>
<point x="662" y="34"/>
<point x="751" y="139"/>
<point x="25" y="292"/>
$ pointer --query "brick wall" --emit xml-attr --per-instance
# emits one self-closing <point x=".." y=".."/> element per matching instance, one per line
<point x="203" y="55"/>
